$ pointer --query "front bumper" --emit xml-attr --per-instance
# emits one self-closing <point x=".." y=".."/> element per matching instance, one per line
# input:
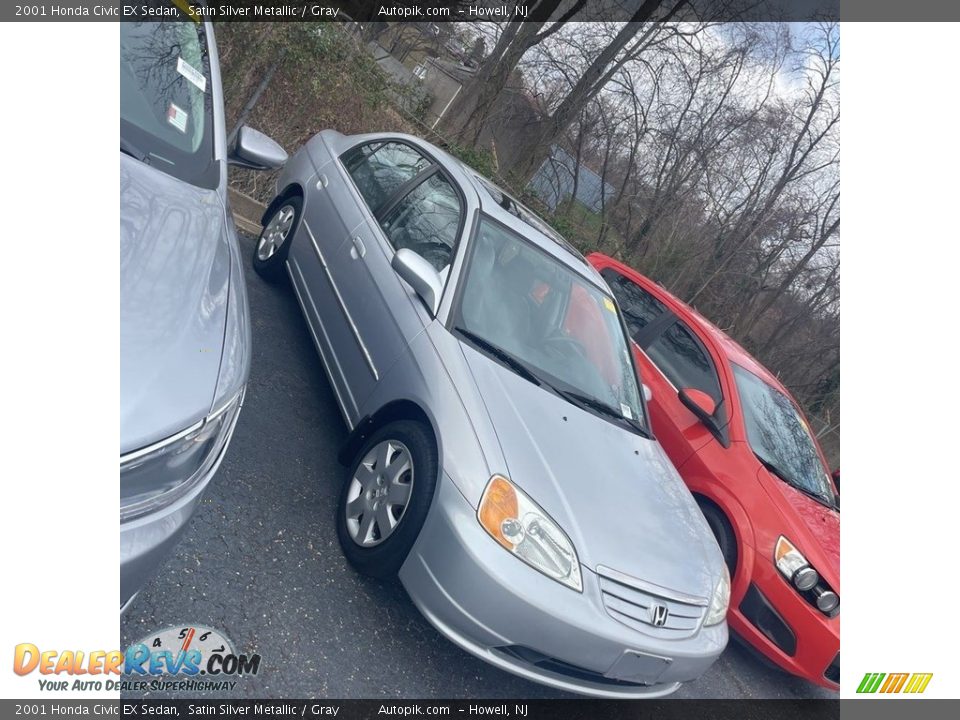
<point x="780" y="624"/>
<point x="503" y="611"/>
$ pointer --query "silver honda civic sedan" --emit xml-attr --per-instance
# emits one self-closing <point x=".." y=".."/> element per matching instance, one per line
<point x="184" y="322"/>
<point x="500" y="455"/>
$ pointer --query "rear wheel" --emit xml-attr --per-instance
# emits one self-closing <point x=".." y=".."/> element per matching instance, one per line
<point x="723" y="532"/>
<point x="270" y="254"/>
<point x="384" y="501"/>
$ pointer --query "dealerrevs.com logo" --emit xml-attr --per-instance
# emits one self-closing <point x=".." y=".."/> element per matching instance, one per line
<point x="186" y="658"/>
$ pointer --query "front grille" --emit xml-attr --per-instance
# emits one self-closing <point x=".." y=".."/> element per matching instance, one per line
<point x="633" y="603"/>
<point x="832" y="673"/>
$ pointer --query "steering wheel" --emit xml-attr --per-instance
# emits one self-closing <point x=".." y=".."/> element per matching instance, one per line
<point x="590" y="378"/>
<point x="558" y="340"/>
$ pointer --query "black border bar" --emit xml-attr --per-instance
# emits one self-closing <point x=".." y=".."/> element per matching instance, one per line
<point x="438" y="11"/>
<point x="431" y="709"/>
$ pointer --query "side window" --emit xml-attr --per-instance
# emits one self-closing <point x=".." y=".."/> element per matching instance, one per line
<point x="379" y="169"/>
<point x="426" y="221"/>
<point x="639" y="307"/>
<point x="684" y="361"/>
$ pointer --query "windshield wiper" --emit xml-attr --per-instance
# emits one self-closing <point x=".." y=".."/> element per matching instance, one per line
<point x="601" y="407"/>
<point x="498" y="352"/>
<point x="794" y="484"/>
<point x="570" y="396"/>
<point x="133" y="151"/>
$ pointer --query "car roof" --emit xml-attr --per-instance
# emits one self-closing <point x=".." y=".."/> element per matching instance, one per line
<point x="731" y="349"/>
<point x="524" y="221"/>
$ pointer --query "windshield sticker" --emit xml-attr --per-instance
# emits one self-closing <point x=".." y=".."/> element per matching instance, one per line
<point x="608" y="304"/>
<point x="192" y="74"/>
<point x="177" y="117"/>
<point x="627" y="412"/>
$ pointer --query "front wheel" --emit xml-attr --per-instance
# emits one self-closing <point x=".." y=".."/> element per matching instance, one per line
<point x="384" y="501"/>
<point x="273" y="244"/>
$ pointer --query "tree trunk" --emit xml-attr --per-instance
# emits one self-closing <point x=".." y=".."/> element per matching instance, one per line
<point x="467" y="117"/>
<point x="255" y="97"/>
<point x="600" y="70"/>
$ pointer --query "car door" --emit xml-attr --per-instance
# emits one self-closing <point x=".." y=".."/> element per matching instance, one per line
<point x="424" y="214"/>
<point x="670" y="357"/>
<point x="329" y="214"/>
<point x="338" y="203"/>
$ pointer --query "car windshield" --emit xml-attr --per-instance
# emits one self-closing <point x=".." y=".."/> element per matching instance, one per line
<point x="779" y="436"/>
<point x="560" y="328"/>
<point x="166" y="106"/>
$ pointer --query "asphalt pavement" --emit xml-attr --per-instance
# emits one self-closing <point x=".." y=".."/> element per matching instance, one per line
<point x="260" y="561"/>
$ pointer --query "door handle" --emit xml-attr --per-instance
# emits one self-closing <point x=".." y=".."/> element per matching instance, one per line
<point x="322" y="182"/>
<point x="358" y="250"/>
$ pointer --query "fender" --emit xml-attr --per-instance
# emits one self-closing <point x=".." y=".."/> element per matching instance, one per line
<point x="726" y="501"/>
<point x="288" y="191"/>
<point x="400" y="409"/>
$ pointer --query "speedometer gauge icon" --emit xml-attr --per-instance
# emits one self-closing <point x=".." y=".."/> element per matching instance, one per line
<point x="186" y="638"/>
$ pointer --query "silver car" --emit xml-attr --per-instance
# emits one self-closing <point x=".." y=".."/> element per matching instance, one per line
<point x="184" y="322"/>
<point x="500" y="456"/>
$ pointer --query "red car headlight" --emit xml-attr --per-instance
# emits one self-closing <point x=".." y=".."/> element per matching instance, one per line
<point x="804" y="578"/>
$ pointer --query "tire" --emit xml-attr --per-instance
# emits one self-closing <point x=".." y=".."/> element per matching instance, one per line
<point x="723" y="532"/>
<point x="366" y="498"/>
<point x="273" y="245"/>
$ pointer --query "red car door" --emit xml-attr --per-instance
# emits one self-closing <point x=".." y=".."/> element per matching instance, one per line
<point x="670" y="357"/>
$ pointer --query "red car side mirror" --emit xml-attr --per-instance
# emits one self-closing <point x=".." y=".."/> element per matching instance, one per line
<point x="703" y="403"/>
<point x="705" y="409"/>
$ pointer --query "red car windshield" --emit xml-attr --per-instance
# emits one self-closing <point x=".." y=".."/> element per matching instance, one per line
<point x="780" y="438"/>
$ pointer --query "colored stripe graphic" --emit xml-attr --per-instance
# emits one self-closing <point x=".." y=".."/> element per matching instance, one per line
<point x="870" y="682"/>
<point x="918" y="682"/>
<point x="894" y="682"/>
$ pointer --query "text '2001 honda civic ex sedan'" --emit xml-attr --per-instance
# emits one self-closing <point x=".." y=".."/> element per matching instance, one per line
<point x="500" y="455"/>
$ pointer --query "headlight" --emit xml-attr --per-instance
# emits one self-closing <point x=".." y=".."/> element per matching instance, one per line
<point x="794" y="566"/>
<point x="519" y="525"/>
<point x="720" y="600"/>
<point x="158" y="475"/>
<point x="801" y="574"/>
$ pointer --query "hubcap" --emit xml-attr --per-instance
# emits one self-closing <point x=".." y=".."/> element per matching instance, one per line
<point x="379" y="493"/>
<point x="275" y="233"/>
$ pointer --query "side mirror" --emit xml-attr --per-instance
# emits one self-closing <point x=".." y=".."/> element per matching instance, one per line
<point x="698" y="402"/>
<point x="252" y="149"/>
<point x="420" y="275"/>
<point x="703" y="406"/>
<point x="647" y="392"/>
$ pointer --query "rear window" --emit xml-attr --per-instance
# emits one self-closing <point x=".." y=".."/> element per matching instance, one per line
<point x="379" y="169"/>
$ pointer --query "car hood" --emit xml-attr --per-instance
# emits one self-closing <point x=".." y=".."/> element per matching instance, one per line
<point x="813" y="528"/>
<point x="174" y="281"/>
<point x="613" y="492"/>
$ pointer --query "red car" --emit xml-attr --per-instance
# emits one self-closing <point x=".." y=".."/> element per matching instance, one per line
<point x="745" y="451"/>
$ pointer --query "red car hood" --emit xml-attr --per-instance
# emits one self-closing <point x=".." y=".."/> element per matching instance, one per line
<point x="812" y="527"/>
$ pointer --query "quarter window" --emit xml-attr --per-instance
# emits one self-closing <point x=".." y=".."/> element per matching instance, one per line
<point x="380" y="169"/>
<point x="426" y="221"/>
